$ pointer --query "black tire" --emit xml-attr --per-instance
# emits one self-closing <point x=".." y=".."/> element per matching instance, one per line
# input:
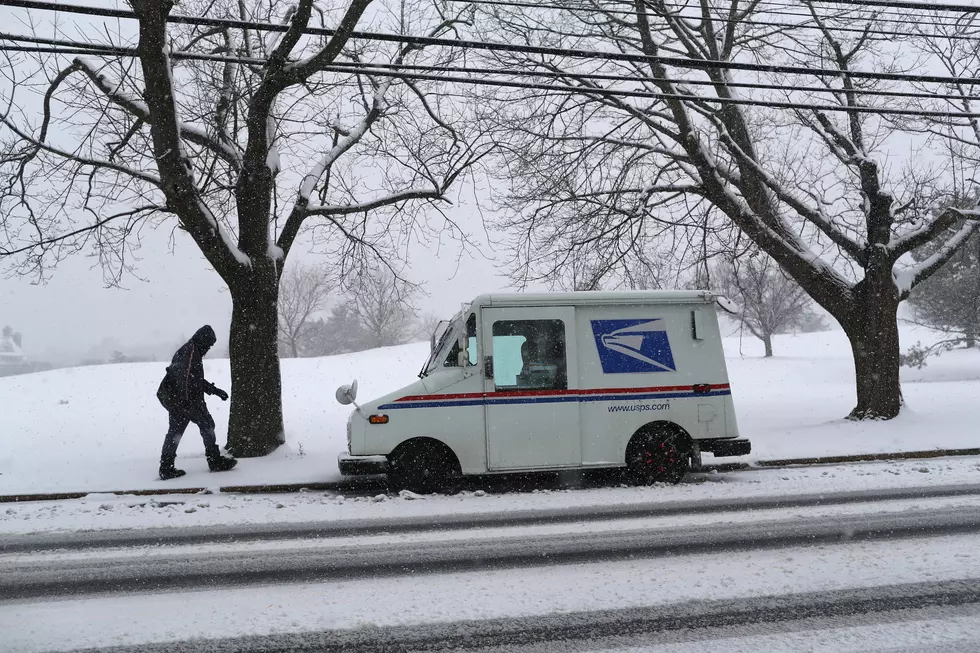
<point x="658" y="455"/>
<point x="424" y="468"/>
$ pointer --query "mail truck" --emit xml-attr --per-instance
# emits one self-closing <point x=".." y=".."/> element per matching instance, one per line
<point x="522" y="382"/>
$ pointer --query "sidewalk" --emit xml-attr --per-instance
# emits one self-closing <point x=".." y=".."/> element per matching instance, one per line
<point x="372" y="484"/>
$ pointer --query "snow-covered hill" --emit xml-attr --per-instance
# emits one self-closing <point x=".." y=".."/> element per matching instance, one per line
<point x="100" y="428"/>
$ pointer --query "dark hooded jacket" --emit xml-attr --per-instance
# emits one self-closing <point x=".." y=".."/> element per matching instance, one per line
<point x="184" y="386"/>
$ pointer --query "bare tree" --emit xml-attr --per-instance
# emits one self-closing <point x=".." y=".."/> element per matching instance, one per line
<point x="303" y="292"/>
<point x="241" y="139"/>
<point x="770" y="301"/>
<point x="381" y="302"/>
<point x="425" y="326"/>
<point x="660" y="145"/>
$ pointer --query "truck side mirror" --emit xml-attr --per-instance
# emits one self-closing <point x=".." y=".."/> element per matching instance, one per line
<point x="488" y="367"/>
<point x="347" y="394"/>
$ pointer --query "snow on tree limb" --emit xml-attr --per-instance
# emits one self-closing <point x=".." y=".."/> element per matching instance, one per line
<point x="915" y="239"/>
<point x="346" y="142"/>
<point x="388" y="200"/>
<point x="175" y="168"/>
<point x="139" y="110"/>
<point x="78" y="158"/>
<point x="908" y="278"/>
<point x="814" y="216"/>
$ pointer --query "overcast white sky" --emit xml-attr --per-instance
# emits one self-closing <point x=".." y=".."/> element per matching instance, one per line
<point x="179" y="292"/>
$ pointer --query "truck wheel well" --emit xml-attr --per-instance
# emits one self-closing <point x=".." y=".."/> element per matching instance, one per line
<point x="425" y="443"/>
<point x="659" y="452"/>
<point x="659" y="427"/>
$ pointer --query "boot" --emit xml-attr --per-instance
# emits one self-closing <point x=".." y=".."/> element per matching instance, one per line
<point x="219" y="463"/>
<point x="169" y="472"/>
<point x="167" y="458"/>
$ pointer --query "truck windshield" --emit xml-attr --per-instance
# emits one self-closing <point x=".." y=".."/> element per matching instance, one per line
<point x="438" y="352"/>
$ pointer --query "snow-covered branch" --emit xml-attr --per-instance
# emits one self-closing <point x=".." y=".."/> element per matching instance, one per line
<point x="78" y="158"/>
<point x="303" y="69"/>
<point x="924" y="234"/>
<point x="908" y="278"/>
<point x="388" y="200"/>
<point x="174" y="165"/>
<point x="138" y="109"/>
<point x="344" y="143"/>
<point x="814" y="216"/>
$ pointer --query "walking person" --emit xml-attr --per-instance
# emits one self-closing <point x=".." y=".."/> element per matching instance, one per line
<point x="182" y="393"/>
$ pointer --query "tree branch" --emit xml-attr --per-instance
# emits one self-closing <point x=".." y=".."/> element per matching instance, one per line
<point x="139" y="110"/>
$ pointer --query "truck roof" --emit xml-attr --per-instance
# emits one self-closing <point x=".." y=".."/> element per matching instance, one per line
<point x="599" y="297"/>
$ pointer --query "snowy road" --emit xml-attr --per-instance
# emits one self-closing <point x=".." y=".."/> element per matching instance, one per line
<point x="336" y="528"/>
<point x="942" y="616"/>
<point x="634" y="578"/>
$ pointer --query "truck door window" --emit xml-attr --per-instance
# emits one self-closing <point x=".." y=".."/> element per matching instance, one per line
<point x="529" y="355"/>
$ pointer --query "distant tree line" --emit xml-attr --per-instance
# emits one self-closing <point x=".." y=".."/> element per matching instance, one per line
<point x="319" y="316"/>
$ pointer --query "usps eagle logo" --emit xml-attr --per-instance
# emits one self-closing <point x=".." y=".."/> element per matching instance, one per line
<point x="633" y="346"/>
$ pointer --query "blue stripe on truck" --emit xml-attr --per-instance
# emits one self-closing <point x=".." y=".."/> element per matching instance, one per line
<point x="549" y="399"/>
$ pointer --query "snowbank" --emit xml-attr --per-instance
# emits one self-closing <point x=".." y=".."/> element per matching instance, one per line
<point x="101" y="428"/>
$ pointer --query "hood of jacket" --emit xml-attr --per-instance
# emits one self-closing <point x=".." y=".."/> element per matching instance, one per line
<point x="204" y="338"/>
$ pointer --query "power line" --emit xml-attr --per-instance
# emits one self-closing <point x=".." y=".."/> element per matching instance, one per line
<point x="367" y="69"/>
<point x="903" y="6"/>
<point x="691" y="82"/>
<point x="76" y="47"/>
<point x="901" y="19"/>
<point x="678" y="62"/>
<point x="886" y="8"/>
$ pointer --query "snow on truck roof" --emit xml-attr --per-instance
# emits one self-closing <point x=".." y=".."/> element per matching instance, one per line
<point x="597" y="297"/>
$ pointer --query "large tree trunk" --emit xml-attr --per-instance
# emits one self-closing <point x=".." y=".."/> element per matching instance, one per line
<point x="767" y="339"/>
<point x="255" y="426"/>
<point x="873" y="333"/>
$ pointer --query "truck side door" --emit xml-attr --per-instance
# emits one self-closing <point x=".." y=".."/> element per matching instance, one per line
<point x="530" y="375"/>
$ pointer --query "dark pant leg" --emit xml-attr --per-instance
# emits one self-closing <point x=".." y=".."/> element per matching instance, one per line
<point x="205" y="422"/>
<point x="178" y="424"/>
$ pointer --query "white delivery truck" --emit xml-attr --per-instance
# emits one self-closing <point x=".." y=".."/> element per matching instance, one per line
<point x="555" y="381"/>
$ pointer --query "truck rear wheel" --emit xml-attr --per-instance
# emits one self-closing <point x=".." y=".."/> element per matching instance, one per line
<point x="424" y="467"/>
<point x="658" y="454"/>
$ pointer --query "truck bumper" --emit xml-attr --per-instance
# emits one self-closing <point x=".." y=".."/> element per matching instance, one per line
<point x="724" y="448"/>
<point x="362" y="465"/>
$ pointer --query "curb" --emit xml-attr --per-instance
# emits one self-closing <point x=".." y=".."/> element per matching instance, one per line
<point x="374" y="483"/>
<point x="868" y="457"/>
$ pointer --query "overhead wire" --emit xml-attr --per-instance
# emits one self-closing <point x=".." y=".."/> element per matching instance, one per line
<point x="110" y="49"/>
<point x="76" y="47"/>
<point x="367" y="69"/>
<point x="679" y="62"/>
<point x="781" y="11"/>
<point x="899" y="5"/>
<point x="382" y="70"/>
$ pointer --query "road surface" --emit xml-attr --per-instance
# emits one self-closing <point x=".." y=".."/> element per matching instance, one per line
<point x="869" y="570"/>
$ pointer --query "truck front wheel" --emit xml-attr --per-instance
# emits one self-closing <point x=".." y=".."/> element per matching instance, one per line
<point x="424" y="467"/>
<point x="659" y="453"/>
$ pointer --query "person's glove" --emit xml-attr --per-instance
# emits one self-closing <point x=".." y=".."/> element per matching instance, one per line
<point x="221" y="394"/>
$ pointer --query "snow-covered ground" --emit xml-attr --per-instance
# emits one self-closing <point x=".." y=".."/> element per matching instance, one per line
<point x="100" y="428"/>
